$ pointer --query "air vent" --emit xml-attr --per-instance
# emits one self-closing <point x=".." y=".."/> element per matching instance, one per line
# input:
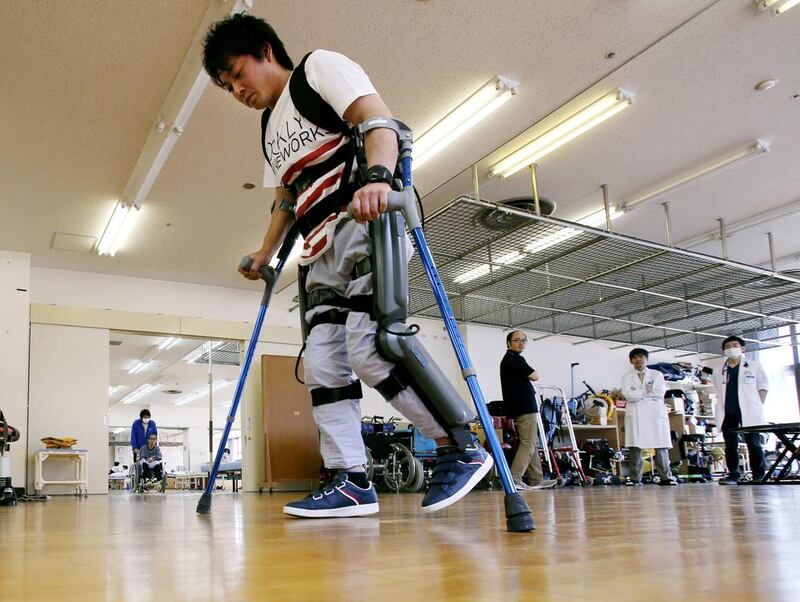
<point x="115" y="343"/>
<point x="495" y="219"/>
<point x="172" y="391"/>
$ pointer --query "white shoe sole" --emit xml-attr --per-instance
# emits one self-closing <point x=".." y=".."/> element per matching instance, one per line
<point x="349" y="511"/>
<point x="474" y="480"/>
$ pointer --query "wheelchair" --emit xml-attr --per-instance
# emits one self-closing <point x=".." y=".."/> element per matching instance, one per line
<point x="141" y="485"/>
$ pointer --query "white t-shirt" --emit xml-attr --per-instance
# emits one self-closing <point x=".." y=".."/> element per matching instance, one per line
<point x="292" y="142"/>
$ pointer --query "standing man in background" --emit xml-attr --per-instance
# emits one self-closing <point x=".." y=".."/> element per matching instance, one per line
<point x="646" y="419"/>
<point x="141" y="430"/>
<point x="519" y="399"/>
<point x="741" y="387"/>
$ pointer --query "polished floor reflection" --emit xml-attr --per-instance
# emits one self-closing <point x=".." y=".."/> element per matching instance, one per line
<point x="698" y="542"/>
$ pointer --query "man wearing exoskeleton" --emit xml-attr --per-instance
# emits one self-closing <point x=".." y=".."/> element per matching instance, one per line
<point x="319" y="165"/>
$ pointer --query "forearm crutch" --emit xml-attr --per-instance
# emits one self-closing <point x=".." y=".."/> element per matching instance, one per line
<point x="269" y="276"/>
<point x="518" y="515"/>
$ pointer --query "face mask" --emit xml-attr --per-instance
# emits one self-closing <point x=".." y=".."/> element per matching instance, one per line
<point x="733" y="352"/>
<point x="145" y="421"/>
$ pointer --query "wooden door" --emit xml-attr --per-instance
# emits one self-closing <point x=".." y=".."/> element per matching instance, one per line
<point x="292" y="441"/>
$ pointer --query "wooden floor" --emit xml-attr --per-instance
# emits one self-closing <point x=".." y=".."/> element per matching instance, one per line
<point x="694" y="542"/>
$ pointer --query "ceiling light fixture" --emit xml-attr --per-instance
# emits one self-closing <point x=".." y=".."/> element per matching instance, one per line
<point x="138" y="393"/>
<point x="117" y="229"/>
<point x="198" y="351"/>
<point x="755" y="148"/>
<point x="168" y="343"/>
<point x="464" y="117"/>
<point x="485" y="268"/>
<point x="163" y="138"/>
<point x="780" y="6"/>
<point x="594" y="114"/>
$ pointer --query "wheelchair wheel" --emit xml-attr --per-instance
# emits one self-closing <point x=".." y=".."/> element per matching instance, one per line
<point x="369" y="467"/>
<point x="133" y="474"/>
<point x="163" y="486"/>
<point x="400" y="467"/>
<point x="419" y="477"/>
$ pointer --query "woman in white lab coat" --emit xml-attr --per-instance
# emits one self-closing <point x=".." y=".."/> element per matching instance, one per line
<point x="646" y="419"/>
<point x="741" y="386"/>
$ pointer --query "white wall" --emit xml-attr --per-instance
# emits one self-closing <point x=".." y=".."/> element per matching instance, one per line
<point x="123" y="293"/>
<point x="69" y="398"/>
<point x="14" y="318"/>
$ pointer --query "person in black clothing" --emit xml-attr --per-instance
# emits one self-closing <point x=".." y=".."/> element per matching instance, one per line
<point x="519" y="399"/>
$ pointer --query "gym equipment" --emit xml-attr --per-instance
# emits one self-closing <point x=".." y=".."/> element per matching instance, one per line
<point x="396" y="341"/>
<point x="269" y="276"/>
<point x="8" y="434"/>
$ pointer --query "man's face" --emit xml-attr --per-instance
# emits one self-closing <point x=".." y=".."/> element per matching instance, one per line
<point x="151" y="441"/>
<point x="733" y="345"/>
<point x="517" y="342"/>
<point x="253" y="81"/>
<point x="639" y="362"/>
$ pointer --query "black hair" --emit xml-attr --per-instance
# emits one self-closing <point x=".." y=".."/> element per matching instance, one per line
<point x="239" y="35"/>
<point x="638" y="351"/>
<point x="510" y="335"/>
<point x="144" y="413"/>
<point x="226" y="450"/>
<point x="732" y="339"/>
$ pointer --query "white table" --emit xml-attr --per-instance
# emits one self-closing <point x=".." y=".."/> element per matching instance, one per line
<point x="80" y="459"/>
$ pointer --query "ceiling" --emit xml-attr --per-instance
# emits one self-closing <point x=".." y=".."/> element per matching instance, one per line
<point x="86" y="82"/>
<point x="178" y="375"/>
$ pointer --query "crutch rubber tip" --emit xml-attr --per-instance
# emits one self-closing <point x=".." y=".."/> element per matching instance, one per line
<point x="204" y="505"/>
<point x="519" y="518"/>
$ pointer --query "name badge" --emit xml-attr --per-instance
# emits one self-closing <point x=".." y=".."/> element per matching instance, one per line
<point x="749" y="378"/>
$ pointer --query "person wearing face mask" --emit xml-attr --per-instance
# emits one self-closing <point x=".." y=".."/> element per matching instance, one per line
<point x="646" y="420"/>
<point x="141" y="429"/>
<point x="741" y="386"/>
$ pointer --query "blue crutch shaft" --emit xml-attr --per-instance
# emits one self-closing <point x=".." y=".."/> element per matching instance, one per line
<point x="270" y="276"/>
<point x="463" y="358"/>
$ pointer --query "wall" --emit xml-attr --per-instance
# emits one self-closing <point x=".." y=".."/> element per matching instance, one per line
<point x="69" y="397"/>
<point x="14" y="317"/>
<point x="123" y="293"/>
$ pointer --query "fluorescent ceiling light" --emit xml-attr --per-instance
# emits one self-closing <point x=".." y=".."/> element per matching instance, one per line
<point x="117" y="229"/>
<point x="168" y="343"/>
<point x="569" y="129"/>
<point x="138" y="393"/>
<point x="112" y="389"/>
<point x="192" y="356"/>
<point x="138" y="367"/>
<point x="753" y="148"/>
<point x="484" y="269"/>
<point x="464" y="117"/>
<point x="784" y="5"/>
<point x="220" y="384"/>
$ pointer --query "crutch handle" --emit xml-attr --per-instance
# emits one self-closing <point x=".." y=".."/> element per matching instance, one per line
<point x="266" y="272"/>
<point x="396" y="202"/>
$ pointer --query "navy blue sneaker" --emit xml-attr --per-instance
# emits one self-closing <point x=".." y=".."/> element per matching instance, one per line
<point x="341" y="498"/>
<point x="454" y="476"/>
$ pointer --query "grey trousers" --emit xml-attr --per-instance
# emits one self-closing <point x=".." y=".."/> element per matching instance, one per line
<point x="635" y="463"/>
<point x="334" y="352"/>
<point x="526" y="460"/>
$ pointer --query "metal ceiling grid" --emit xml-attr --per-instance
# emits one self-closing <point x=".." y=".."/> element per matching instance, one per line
<point x="557" y="277"/>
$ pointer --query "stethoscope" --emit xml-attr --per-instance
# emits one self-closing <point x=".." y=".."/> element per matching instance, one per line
<point x="725" y="371"/>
